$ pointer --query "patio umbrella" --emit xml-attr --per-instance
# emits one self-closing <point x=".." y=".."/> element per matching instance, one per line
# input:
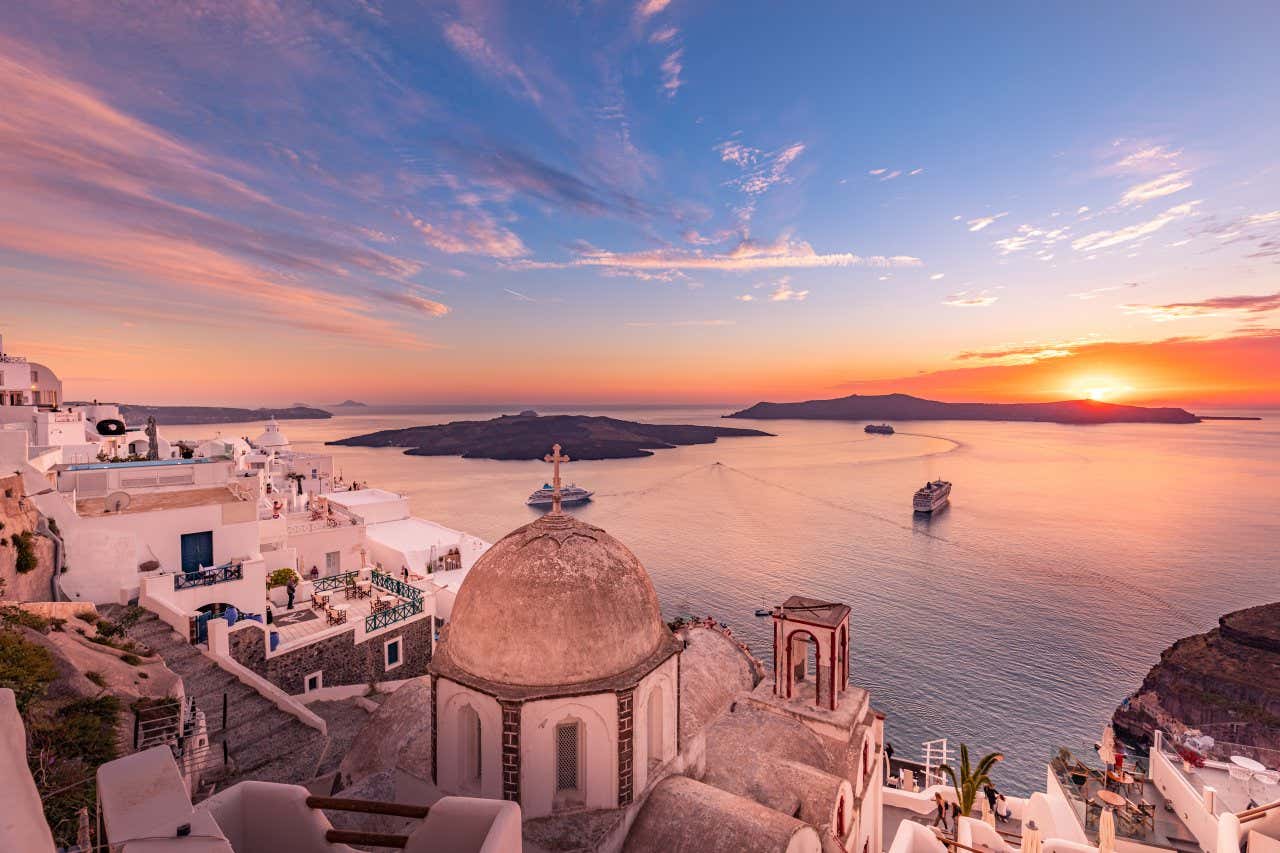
<point x="1107" y="832"/>
<point x="1107" y="749"/>
<point x="1030" y="837"/>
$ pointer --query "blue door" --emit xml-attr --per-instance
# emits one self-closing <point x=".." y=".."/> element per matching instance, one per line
<point x="197" y="551"/>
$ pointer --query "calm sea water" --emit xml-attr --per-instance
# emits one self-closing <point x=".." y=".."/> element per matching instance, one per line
<point x="1015" y="620"/>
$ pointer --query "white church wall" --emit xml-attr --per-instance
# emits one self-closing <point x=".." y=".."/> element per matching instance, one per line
<point x="598" y="715"/>
<point x="452" y="740"/>
<point x="645" y="758"/>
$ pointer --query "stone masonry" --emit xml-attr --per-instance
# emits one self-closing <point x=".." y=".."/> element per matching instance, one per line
<point x="510" y="751"/>
<point x="626" y="745"/>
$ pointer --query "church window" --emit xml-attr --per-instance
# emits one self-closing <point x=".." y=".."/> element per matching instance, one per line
<point x="568" y="754"/>
<point x="473" y="767"/>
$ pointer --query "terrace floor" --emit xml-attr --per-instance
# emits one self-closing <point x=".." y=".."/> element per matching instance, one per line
<point x="304" y="622"/>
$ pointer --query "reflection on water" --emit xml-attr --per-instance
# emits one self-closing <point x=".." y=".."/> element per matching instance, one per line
<point x="1014" y="619"/>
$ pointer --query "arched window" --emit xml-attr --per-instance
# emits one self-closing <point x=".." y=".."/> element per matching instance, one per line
<point x="568" y="757"/>
<point x="840" y="827"/>
<point x="653" y="716"/>
<point x="472" y="764"/>
<point x="866" y="758"/>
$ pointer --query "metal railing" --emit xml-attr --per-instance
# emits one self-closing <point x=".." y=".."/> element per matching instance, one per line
<point x="338" y="581"/>
<point x="392" y="615"/>
<point x="208" y="577"/>
<point x="397" y="587"/>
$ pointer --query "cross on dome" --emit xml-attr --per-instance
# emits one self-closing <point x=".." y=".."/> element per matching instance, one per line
<point x="555" y="458"/>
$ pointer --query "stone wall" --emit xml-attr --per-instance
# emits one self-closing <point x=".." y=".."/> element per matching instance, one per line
<point x="339" y="657"/>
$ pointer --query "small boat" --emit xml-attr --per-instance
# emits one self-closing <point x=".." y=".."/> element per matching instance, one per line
<point x="879" y="429"/>
<point x="570" y="494"/>
<point x="932" y="496"/>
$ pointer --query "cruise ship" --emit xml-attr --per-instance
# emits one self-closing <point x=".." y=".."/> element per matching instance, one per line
<point x="570" y="494"/>
<point x="932" y="496"/>
<point x="879" y="429"/>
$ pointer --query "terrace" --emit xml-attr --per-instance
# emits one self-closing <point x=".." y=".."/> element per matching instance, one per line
<point x="367" y="605"/>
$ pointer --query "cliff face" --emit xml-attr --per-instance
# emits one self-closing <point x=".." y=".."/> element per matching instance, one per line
<point x="1226" y="682"/>
<point x="22" y="547"/>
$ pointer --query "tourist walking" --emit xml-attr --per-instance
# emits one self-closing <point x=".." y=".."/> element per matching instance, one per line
<point x="991" y="793"/>
<point x="941" y="816"/>
<point x="291" y="588"/>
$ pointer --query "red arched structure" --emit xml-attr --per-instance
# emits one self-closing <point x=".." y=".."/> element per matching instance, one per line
<point x="825" y="625"/>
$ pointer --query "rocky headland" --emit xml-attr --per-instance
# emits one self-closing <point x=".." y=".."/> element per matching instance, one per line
<point x="1225" y="682"/>
<point x="530" y="436"/>
<point x="181" y="415"/>
<point x="904" y="407"/>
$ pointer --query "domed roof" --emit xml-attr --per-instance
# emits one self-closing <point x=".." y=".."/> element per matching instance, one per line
<point x="556" y="602"/>
<point x="271" y="436"/>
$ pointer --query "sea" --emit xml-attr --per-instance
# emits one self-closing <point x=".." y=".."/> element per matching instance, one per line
<point x="1015" y="619"/>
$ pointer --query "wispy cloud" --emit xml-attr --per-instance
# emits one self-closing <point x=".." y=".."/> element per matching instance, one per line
<point x="484" y="57"/>
<point x="971" y="299"/>
<point x="784" y="292"/>
<point x="1095" y="292"/>
<point x="1106" y="239"/>
<point x="762" y="171"/>
<point x="671" y="68"/>
<point x="938" y="276"/>
<point x="983" y="221"/>
<point x="1146" y="158"/>
<point x="783" y="253"/>
<point x="1214" y="307"/>
<point x="1029" y="236"/>
<point x="1162" y="186"/>
<point x="664" y="35"/>
<point x="1025" y="352"/>
<point x="646" y="9"/>
<point x="471" y="232"/>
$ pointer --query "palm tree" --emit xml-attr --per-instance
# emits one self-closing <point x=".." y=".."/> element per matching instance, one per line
<point x="971" y="779"/>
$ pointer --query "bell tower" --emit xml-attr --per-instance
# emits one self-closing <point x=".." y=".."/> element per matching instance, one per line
<point x="811" y="651"/>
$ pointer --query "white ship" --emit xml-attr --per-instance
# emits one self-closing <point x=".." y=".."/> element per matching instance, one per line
<point x="569" y="494"/>
<point x="932" y="496"/>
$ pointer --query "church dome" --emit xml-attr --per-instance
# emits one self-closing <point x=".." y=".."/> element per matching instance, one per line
<point x="271" y="437"/>
<point x="556" y="602"/>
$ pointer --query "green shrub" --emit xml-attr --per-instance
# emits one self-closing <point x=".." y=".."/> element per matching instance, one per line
<point x="96" y="678"/>
<point x="280" y="577"/>
<point x="131" y="659"/>
<point x="27" y="560"/>
<point x="66" y="746"/>
<point x="18" y="616"/>
<point x="25" y="668"/>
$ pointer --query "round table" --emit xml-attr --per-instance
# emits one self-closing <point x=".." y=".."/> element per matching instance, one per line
<point x="1119" y="777"/>
<point x="1248" y="764"/>
<point x="1111" y="798"/>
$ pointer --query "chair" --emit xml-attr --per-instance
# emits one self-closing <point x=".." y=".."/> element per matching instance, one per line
<point x="317" y="601"/>
<point x="1139" y="816"/>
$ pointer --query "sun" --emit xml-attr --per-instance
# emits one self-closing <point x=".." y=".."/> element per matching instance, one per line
<point x="1100" y="389"/>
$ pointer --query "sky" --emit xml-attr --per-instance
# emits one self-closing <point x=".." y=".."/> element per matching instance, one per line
<point x="652" y="201"/>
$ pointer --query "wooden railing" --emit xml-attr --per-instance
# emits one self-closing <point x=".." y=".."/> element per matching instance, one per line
<point x="370" y="839"/>
<point x="1257" y="811"/>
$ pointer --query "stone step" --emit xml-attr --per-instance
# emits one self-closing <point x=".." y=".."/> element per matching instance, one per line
<point x="296" y="767"/>
<point x="213" y="680"/>
<point x="242" y="712"/>
<point x="290" y="753"/>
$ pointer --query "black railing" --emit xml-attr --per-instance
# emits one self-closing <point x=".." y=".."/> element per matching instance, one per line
<point x="208" y="577"/>
<point x="392" y="615"/>
<point x="398" y="587"/>
<point x="342" y="579"/>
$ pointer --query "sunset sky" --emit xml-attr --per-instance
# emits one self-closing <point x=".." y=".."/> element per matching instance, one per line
<point x="263" y="201"/>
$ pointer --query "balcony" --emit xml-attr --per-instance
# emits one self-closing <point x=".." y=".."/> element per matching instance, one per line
<point x="209" y="577"/>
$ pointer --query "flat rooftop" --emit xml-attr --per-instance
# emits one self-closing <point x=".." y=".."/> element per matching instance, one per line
<point x="152" y="463"/>
<point x="152" y="501"/>
<point x="362" y="497"/>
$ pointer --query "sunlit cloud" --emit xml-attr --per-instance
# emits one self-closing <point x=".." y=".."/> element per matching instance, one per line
<point x="762" y="171"/>
<point x="648" y="8"/>
<point x="644" y="324"/>
<point x="472" y="232"/>
<point x="1162" y="186"/>
<point x="983" y="221"/>
<point x="1106" y="239"/>
<point x="783" y="292"/>
<point x="971" y="299"/>
<point x="1029" y="236"/>
<point x="783" y="253"/>
<point x="937" y="276"/>
<point x="1213" y="307"/>
<point x="664" y="35"/>
<point x="671" y="68"/>
<point x="1095" y="292"/>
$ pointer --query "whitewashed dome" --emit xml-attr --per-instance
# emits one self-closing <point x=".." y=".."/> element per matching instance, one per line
<point x="271" y="437"/>
<point x="556" y="602"/>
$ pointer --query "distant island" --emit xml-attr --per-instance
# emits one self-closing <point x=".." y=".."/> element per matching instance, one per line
<point x="530" y="436"/>
<point x="181" y="415"/>
<point x="904" y="407"/>
<point x="1216" y="682"/>
<point x="351" y="404"/>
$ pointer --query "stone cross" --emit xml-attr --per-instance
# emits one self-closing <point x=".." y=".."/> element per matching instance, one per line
<point x="555" y="458"/>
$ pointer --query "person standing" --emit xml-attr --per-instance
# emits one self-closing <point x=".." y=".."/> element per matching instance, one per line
<point x="291" y="588"/>
<point x="990" y="791"/>
<point x="941" y="816"/>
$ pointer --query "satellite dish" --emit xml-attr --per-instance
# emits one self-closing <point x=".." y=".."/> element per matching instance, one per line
<point x="117" y="501"/>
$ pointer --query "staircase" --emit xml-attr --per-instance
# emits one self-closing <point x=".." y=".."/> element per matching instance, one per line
<point x="262" y="742"/>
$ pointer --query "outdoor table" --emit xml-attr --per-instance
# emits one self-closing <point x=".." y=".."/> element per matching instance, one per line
<point x="1120" y="777"/>
<point x="1247" y="764"/>
<point x="1111" y="798"/>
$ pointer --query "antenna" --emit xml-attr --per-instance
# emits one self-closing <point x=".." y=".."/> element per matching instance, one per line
<point x="117" y="501"/>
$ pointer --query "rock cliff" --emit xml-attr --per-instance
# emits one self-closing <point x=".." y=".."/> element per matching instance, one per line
<point x="1225" y="682"/>
<point x="26" y="557"/>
